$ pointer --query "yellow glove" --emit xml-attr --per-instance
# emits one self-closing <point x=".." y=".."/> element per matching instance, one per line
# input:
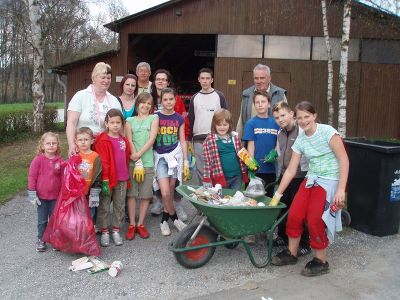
<point x="275" y="199"/>
<point x="138" y="171"/>
<point x="186" y="171"/>
<point x="248" y="160"/>
<point x="190" y="147"/>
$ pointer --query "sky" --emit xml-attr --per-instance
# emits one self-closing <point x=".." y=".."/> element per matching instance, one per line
<point x="134" y="6"/>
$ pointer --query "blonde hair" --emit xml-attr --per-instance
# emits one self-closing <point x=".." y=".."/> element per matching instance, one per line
<point x="219" y="116"/>
<point x="40" y="150"/>
<point x="281" y="105"/>
<point x="101" y="68"/>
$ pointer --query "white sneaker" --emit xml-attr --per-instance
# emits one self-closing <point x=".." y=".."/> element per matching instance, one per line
<point x="117" y="239"/>
<point x="165" y="228"/>
<point x="105" y="239"/>
<point x="157" y="207"/>
<point x="180" y="211"/>
<point x="179" y="224"/>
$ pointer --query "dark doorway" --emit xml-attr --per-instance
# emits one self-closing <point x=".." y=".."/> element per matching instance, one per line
<point x="181" y="54"/>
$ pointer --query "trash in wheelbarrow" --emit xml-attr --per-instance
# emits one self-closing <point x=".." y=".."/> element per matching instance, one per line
<point x="223" y="225"/>
<point x="255" y="188"/>
<point x="213" y="196"/>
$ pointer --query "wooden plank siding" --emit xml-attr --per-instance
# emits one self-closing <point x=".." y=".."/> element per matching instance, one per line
<point x="308" y="81"/>
<point x="270" y="17"/>
<point x="379" y="109"/>
<point x="373" y="105"/>
<point x="80" y="76"/>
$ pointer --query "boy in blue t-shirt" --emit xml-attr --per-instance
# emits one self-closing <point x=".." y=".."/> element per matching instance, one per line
<point x="261" y="133"/>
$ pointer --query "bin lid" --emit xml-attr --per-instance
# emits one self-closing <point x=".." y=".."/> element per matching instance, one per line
<point x="379" y="146"/>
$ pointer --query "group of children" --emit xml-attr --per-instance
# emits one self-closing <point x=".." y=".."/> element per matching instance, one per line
<point x="149" y="151"/>
<point x="312" y="165"/>
<point x="120" y="163"/>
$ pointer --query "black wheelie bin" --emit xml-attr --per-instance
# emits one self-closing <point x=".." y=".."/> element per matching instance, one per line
<point x="373" y="187"/>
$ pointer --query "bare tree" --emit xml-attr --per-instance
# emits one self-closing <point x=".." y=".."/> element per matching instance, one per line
<point x="331" y="110"/>
<point x="36" y="41"/>
<point x="390" y="6"/>
<point x="68" y="33"/>
<point x="343" y="68"/>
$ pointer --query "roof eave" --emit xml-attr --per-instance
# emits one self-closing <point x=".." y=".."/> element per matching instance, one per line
<point x="115" y="25"/>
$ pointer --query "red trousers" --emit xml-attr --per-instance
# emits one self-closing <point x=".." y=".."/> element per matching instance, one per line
<point x="308" y="205"/>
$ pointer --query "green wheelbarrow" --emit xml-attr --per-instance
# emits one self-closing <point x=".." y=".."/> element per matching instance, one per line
<point x="228" y="225"/>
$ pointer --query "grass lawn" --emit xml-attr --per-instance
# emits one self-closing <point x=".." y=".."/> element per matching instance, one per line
<point x="20" y="106"/>
<point x="15" y="159"/>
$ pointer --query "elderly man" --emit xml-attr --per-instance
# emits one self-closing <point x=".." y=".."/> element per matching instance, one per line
<point x="143" y="73"/>
<point x="262" y="82"/>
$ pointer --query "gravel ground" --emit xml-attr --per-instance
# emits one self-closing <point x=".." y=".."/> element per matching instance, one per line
<point x="360" y="264"/>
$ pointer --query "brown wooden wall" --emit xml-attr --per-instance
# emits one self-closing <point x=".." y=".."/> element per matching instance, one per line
<point x="80" y="76"/>
<point x="379" y="105"/>
<point x="373" y="92"/>
<point x="372" y="88"/>
<point x="270" y="17"/>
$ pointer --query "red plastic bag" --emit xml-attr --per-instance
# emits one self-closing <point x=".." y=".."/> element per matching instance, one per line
<point x="70" y="228"/>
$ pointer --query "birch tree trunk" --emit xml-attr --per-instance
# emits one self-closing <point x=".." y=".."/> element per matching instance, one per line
<point x="331" y="110"/>
<point x="343" y="68"/>
<point x="38" y="66"/>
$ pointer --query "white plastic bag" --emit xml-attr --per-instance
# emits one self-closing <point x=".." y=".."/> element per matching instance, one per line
<point x="255" y="188"/>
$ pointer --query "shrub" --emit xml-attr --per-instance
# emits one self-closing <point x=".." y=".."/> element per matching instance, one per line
<point x="18" y="123"/>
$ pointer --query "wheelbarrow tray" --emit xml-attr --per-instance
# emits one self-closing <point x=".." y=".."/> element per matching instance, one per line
<point x="235" y="221"/>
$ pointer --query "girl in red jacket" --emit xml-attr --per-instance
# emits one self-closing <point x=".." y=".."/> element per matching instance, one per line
<point x="114" y="151"/>
<point x="220" y="148"/>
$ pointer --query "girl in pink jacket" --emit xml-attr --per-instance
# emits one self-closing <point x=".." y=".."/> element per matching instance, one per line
<point x="44" y="181"/>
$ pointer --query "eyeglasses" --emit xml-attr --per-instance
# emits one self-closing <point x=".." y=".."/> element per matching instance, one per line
<point x="161" y="79"/>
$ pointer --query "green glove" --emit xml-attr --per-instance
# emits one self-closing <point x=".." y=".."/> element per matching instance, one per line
<point x="105" y="189"/>
<point x="271" y="156"/>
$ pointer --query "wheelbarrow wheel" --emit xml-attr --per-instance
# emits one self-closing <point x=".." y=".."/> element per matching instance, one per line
<point x="346" y="218"/>
<point x="229" y="246"/>
<point x="196" y="258"/>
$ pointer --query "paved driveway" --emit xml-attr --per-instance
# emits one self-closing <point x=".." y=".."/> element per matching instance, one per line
<point x="362" y="267"/>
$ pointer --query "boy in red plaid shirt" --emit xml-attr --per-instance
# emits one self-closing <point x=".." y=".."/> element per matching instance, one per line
<point x="221" y="163"/>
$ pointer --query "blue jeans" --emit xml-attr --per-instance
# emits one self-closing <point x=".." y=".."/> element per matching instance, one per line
<point x="234" y="183"/>
<point x="162" y="170"/>
<point x="44" y="212"/>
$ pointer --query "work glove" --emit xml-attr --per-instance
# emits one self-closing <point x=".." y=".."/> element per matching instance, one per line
<point x="186" y="171"/>
<point x="271" y="156"/>
<point x="138" y="171"/>
<point x="250" y="162"/>
<point x="275" y="199"/>
<point x="33" y="198"/>
<point x="94" y="199"/>
<point x="190" y="148"/>
<point x="207" y="185"/>
<point x="105" y="189"/>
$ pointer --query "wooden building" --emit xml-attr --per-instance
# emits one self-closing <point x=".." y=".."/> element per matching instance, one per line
<point x="232" y="36"/>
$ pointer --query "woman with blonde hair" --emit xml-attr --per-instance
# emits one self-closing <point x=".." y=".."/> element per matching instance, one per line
<point x="88" y="107"/>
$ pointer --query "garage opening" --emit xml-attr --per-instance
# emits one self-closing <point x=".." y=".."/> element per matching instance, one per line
<point x="181" y="54"/>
